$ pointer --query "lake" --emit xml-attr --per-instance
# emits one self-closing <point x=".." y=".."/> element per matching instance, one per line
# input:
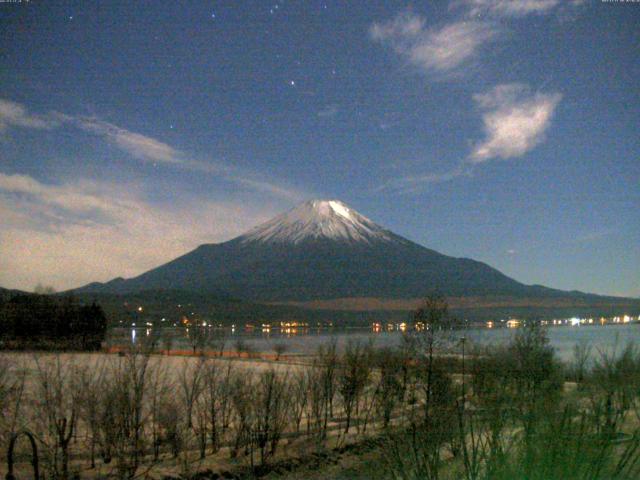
<point x="605" y="338"/>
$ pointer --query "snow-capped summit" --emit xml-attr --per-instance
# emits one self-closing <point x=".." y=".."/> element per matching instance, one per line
<point x="316" y="219"/>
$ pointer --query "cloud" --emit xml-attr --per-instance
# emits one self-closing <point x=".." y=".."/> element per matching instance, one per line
<point x="453" y="45"/>
<point x="515" y="120"/>
<point x="141" y="147"/>
<point x="70" y="234"/>
<point x="138" y="145"/>
<point x="413" y="183"/>
<point x="15" y="115"/>
<point x="509" y="8"/>
<point x="70" y="199"/>
<point x="437" y="177"/>
<point x="270" y="188"/>
<point x="440" y="50"/>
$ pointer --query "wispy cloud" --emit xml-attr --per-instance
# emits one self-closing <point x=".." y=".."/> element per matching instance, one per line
<point x="268" y="187"/>
<point x="509" y="8"/>
<point x="449" y="47"/>
<point x="433" y="50"/>
<point x="140" y="147"/>
<point x="416" y="182"/>
<point x="76" y="232"/>
<point x="73" y="199"/>
<point x="514" y="119"/>
<point x="594" y="236"/>
<point x="16" y="115"/>
<point x="143" y="147"/>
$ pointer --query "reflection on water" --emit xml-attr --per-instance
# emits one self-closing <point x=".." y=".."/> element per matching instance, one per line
<point x="303" y="339"/>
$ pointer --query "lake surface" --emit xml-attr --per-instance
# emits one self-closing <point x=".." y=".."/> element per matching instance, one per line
<point x="602" y="338"/>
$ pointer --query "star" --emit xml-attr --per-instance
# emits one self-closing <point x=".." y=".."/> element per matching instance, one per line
<point x="213" y="15"/>
<point x="292" y="83"/>
<point x="70" y="17"/>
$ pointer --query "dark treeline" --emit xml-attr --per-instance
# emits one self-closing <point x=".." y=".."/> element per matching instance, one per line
<point x="50" y="322"/>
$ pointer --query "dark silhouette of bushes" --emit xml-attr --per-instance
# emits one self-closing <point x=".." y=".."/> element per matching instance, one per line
<point x="46" y="322"/>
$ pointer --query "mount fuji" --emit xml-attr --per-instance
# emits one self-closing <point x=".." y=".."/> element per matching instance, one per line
<point x="323" y="251"/>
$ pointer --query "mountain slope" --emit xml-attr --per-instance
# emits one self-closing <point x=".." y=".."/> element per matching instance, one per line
<point x="322" y="249"/>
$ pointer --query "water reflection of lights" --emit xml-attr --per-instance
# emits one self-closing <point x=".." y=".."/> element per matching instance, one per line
<point x="297" y="328"/>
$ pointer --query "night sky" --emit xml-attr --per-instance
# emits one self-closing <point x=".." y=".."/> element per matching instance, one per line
<point x="132" y="131"/>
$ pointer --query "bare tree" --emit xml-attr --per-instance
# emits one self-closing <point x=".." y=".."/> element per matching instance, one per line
<point x="217" y="342"/>
<point x="299" y="397"/>
<point x="216" y="400"/>
<point x="352" y="379"/>
<point x="389" y="391"/>
<point x="90" y="384"/>
<point x="271" y="406"/>
<point x="171" y="425"/>
<point x="241" y="393"/>
<point x="160" y="387"/>
<point x="12" y="384"/>
<point x="191" y="385"/>
<point x="317" y="404"/>
<point x="328" y="364"/>
<point x="198" y="336"/>
<point x="123" y="411"/>
<point x="58" y="402"/>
